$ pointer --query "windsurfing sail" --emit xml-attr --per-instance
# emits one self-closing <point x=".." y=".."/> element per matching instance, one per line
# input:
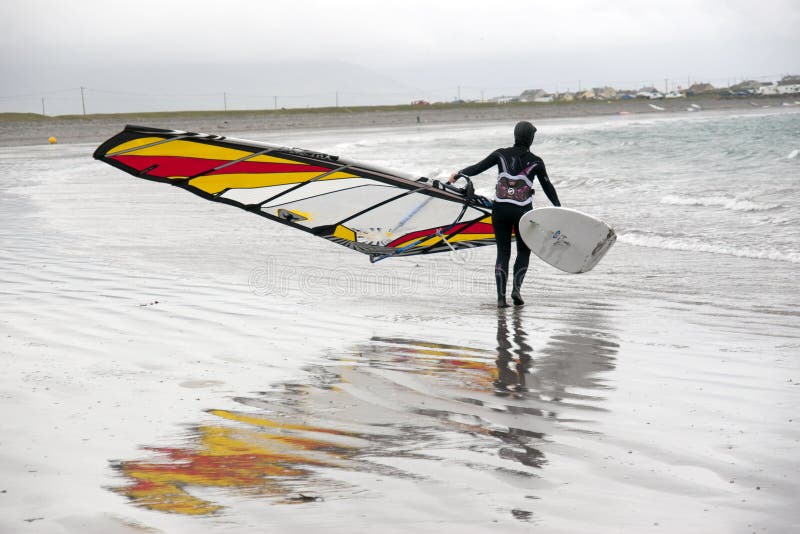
<point x="371" y="210"/>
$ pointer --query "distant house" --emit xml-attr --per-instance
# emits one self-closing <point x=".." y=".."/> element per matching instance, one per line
<point x="649" y="92"/>
<point x="586" y="95"/>
<point x="533" y="95"/>
<point x="767" y="89"/>
<point x="503" y="99"/>
<point x="700" y="88"/>
<point x="789" y="85"/>
<point x="565" y="97"/>
<point x="779" y="89"/>
<point x="746" y="86"/>
<point x="605" y="93"/>
<point x="783" y="87"/>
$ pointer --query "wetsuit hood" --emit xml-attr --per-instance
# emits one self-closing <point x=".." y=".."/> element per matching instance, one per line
<point x="523" y="134"/>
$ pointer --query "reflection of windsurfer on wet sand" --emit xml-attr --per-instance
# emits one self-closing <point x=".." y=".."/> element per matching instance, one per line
<point x="511" y="375"/>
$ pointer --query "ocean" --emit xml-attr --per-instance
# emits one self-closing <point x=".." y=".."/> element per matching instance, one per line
<point x="180" y="365"/>
<point x="716" y="186"/>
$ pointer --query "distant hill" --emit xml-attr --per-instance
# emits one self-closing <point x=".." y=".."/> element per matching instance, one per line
<point x="169" y="87"/>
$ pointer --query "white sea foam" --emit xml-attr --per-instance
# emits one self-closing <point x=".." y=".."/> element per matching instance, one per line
<point x="793" y="154"/>
<point x="728" y="203"/>
<point x="641" y="239"/>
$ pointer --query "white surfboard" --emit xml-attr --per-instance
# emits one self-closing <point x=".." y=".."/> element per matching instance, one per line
<point x="565" y="238"/>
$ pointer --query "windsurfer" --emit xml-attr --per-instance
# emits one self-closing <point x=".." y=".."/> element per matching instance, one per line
<point x="517" y="167"/>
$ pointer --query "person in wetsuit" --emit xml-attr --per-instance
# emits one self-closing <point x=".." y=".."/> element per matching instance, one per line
<point x="517" y="168"/>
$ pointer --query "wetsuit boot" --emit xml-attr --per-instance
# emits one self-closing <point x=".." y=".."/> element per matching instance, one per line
<point x="516" y="298"/>
<point x="501" y="280"/>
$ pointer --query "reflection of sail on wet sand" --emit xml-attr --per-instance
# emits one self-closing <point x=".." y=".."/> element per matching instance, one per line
<point x="398" y="409"/>
<point x="249" y="459"/>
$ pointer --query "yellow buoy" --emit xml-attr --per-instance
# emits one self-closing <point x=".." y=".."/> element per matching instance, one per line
<point x="53" y="140"/>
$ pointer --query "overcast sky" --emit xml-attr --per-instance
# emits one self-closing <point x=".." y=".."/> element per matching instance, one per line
<point x="433" y="48"/>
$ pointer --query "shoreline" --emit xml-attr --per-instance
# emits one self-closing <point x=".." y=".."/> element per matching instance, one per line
<point x="34" y="130"/>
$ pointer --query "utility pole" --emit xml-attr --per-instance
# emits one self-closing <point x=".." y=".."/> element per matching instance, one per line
<point x="225" y="101"/>
<point x="666" y="85"/>
<point x="43" y="114"/>
<point x="337" y="98"/>
<point x="83" y="102"/>
<point x="275" y="101"/>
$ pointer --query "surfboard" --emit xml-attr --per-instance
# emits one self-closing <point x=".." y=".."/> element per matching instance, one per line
<point x="567" y="239"/>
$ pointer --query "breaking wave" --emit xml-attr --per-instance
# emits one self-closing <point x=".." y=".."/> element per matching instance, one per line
<point x="641" y="239"/>
<point x="728" y="203"/>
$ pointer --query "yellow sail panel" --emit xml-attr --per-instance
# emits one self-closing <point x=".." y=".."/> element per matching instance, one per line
<point x="344" y="232"/>
<point x="190" y="149"/>
<point x="142" y="141"/>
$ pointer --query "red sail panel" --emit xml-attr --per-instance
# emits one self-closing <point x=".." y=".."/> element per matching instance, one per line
<point x="170" y="166"/>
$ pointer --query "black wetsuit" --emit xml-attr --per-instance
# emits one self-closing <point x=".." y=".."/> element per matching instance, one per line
<point x="514" y="196"/>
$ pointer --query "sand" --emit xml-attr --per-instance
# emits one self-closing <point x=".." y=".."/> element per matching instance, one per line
<point x="166" y="371"/>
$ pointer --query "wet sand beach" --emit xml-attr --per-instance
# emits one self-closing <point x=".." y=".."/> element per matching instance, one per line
<point x="173" y="365"/>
